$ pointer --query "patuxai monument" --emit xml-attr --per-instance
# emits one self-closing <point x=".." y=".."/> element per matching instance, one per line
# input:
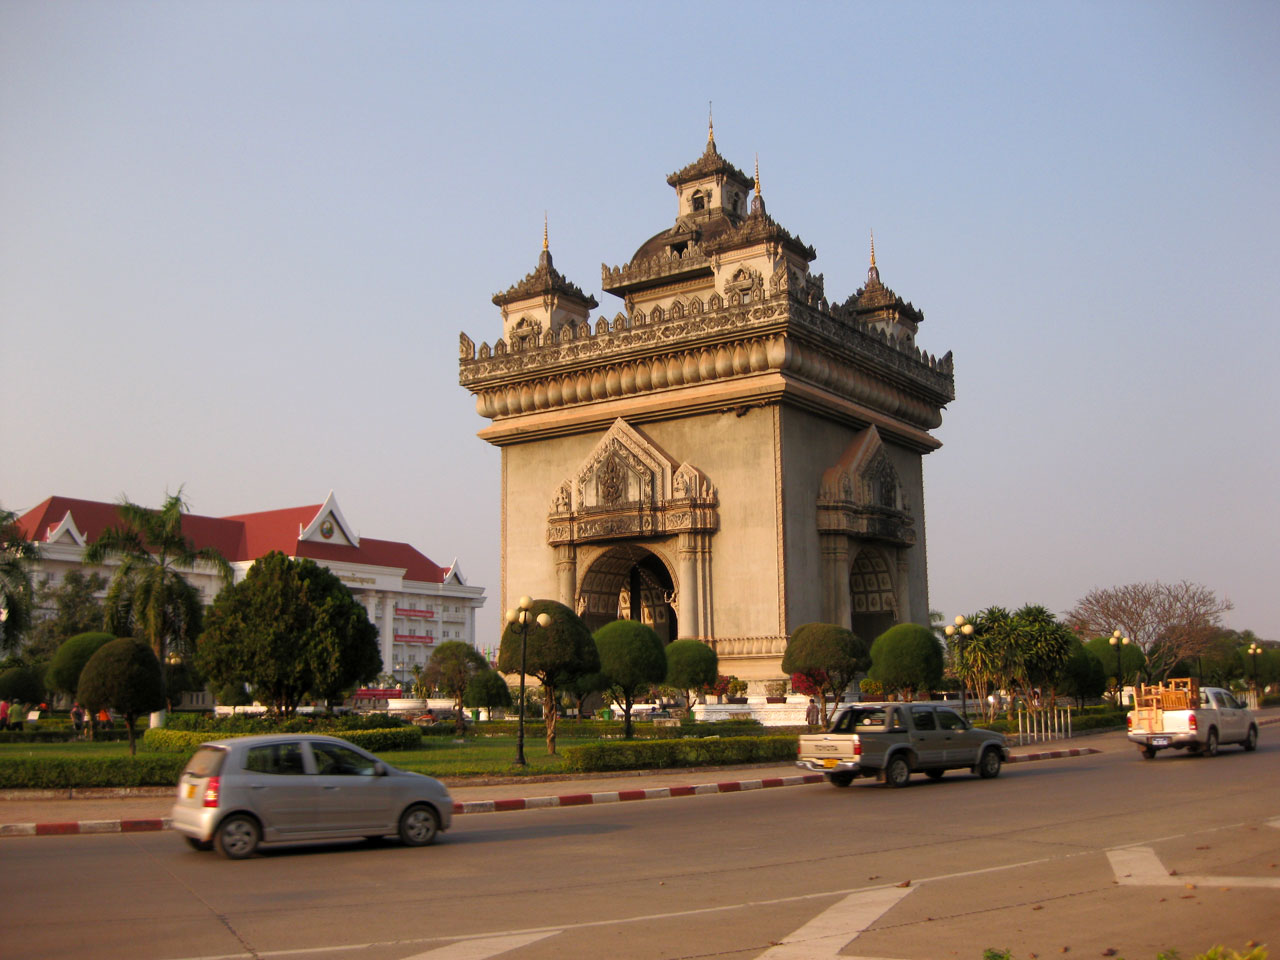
<point x="730" y="455"/>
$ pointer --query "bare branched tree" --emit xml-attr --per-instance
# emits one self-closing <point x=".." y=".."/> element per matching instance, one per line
<point x="1170" y="622"/>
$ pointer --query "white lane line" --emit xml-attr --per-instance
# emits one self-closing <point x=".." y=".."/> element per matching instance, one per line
<point x="830" y="931"/>
<point x="1141" y="867"/>
<point x="482" y="949"/>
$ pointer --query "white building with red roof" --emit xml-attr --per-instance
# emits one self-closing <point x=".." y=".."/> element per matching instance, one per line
<point x="415" y="603"/>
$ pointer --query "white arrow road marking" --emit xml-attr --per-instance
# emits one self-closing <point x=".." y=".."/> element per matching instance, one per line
<point x="827" y="934"/>
<point x="1140" y="867"/>
<point x="1274" y="823"/>
<point x="482" y="949"/>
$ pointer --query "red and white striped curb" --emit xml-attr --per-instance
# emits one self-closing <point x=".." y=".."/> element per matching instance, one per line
<point x="622" y="796"/>
<point x="1053" y="754"/>
<point x="60" y="828"/>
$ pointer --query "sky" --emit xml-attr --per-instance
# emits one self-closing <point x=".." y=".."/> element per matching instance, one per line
<point x="238" y="242"/>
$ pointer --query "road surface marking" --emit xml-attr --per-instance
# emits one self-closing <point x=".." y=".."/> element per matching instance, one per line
<point x="830" y="931"/>
<point x="1140" y="867"/>
<point x="482" y="949"/>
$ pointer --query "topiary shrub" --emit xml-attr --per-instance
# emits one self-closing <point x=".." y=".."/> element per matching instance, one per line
<point x="125" y="676"/>
<point x="908" y="658"/>
<point x="69" y="660"/>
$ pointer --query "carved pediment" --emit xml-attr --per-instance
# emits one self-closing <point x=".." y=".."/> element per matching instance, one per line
<point x="625" y="469"/>
<point x="629" y="487"/>
<point x="862" y="494"/>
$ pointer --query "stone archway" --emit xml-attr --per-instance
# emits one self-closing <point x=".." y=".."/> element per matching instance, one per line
<point x="872" y="598"/>
<point x="629" y="582"/>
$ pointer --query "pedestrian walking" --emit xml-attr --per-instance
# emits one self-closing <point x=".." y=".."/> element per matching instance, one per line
<point x="812" y="714"/>
<point x="77" y="717"/>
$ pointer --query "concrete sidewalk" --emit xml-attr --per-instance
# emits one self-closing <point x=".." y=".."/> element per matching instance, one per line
<point x="36" y="813"/>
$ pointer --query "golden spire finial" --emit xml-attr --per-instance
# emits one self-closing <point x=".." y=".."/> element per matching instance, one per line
<point x="544" y="230"/>
<point x="873" y="248"/>
<point x="711" y="128"/>
<point x="757" y="174"/>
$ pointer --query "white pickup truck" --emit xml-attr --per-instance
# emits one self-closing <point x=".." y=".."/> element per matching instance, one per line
<point x="1182" y="715"/>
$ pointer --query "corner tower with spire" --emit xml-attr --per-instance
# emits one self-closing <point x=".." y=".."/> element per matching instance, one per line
<point x="543" y="302"/>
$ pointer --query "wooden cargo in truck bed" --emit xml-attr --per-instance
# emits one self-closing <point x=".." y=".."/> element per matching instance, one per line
<point x="1151" y="700"/>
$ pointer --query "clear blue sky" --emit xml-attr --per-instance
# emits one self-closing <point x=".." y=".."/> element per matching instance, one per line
<point x="238" y="242"/>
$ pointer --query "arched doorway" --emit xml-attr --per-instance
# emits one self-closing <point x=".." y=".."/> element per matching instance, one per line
<point x="872" y="603"/>
<point x="631" y="583"/>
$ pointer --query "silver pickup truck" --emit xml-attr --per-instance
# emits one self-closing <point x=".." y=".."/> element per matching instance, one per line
<point x="891" y="741"/>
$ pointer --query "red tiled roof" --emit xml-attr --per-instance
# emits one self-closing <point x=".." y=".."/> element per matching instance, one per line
<point x="240" y="538"/>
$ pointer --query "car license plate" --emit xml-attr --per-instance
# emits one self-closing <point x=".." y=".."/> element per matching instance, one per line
<point x="829" y="761"/>
<point x="190" y="791"/>
<point x="1159" y="741"/>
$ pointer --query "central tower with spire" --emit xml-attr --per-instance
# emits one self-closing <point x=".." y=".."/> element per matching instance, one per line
<point x="727" y="457"/>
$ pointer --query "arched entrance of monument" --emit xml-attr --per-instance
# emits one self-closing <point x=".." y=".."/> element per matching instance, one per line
<point x="631" y="583"/>
<point x="873" y="605"/>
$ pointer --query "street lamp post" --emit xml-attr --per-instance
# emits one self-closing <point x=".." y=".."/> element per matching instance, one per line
<point x="1118" y="641"/>
<point x="1253" y="652"/>
<point x="520" y="616"/>
<point x="964" y="627"/>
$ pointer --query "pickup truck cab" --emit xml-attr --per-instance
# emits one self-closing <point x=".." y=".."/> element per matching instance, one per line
<point x="1182" y="715"/>
<point x="891" y="741"/>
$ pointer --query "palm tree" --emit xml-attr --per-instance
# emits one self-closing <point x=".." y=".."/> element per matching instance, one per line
<point x="16" y="593"/>
<point x="149" y="597"/>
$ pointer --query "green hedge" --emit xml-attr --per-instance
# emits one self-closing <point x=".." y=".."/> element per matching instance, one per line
<point x="335" y="723"/>
<point x="687" y="752"/>
<point x="63" y="735"/>
<point x="58" y="773"/>
<point x="168" y="740"/>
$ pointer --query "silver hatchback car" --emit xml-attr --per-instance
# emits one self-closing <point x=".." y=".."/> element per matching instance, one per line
<point x="238" y="792"/>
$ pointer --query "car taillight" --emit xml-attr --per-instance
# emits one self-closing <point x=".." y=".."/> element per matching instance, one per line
<point x="1129" y="720"/>
<point x="211" y="792"/>
<point x="1193" y="723"/>
<point x="857" y="747"/>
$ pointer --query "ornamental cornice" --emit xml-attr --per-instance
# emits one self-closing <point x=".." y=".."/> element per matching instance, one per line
<point x="743" y="647"/>
<point x="802" y="340"/>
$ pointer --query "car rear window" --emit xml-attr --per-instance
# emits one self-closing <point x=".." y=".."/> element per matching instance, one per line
<point x="860" y="718"/>
<point x="206" y="762"/>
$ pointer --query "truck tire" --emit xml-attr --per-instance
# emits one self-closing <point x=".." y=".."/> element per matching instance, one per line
<point x="897" y="773"/>
<point x="1148" y="753"/>
<point x="1251" y="739"/>
<point x="840" y="779"/>
<point x="1210" y="748"/>
<point x="989" y="763"/>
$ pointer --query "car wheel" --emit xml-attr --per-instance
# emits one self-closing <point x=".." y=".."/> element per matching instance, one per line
<point x="1210" y="743"/>
<point x="201" y="845"/>
<point x="934" y="774"/>
<point x="989" y="763"/>
<point x="1251" y="740"/>
<point x="418" y="826"/>
<point x="840" y="779"/>
<point x="897" y="773"/>
<point x="237" y="837"/>
<point x="1148" y="753"/>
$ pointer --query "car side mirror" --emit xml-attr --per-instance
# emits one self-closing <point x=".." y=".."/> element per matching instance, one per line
<point x="379" y="769"/>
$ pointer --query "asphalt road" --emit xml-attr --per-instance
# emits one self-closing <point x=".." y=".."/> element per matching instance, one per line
<point x="1072" y="857"/>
